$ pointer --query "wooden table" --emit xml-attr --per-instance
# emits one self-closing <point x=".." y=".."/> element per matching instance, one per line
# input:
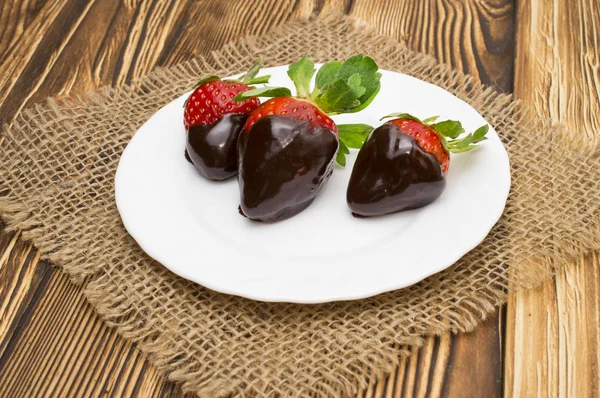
<point x="545" y="342"/>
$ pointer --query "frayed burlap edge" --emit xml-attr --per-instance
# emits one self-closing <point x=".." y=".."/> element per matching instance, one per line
<point x="60" y="158"/>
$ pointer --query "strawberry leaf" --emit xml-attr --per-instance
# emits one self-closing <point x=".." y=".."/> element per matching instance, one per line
<point x="351" y="66"/>
<point x="351" y="136"/>
<point x="479" y="134"/>
<point x="326" y="76"/>
<point x="449" y="128"/>
<point x="340" y="159"/>
<point x="343" y="150"/>
<point x="401" y="116"/>
<point x="250" y="76"/>
<point x="207" y="79"/>
<point x="470" y="141"/>
<point x="354" y="83"/>
<point x="430" y="120"/>
<point x="338" y="98"/>
<point x="301" y="73"/>
<point x="365" y="103"/>
<point x="354" y="135"/>
<point x="461" y="149"/>
<point x="366" y="68"/>
<point x="269" y="92"/>
<point x="346" y="87"/>
<point x="259" y="80"/>
<point x="252" y="72"/>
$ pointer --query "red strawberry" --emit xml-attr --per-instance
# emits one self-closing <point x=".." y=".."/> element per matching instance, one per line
<point x="294" y="108"/>
<point x="403" y="163"/>
<point x="428" y="139"/>
<point x="288" y="145"/>
<point x="432" y="137"/>
<point x="211" y="100"/>
<point x="213" y="121"/>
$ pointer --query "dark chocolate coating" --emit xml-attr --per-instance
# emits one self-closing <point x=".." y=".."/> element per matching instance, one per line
<point x="392" y="173"/>
<point x="187" y="157"/>
<point x="213" y="148"/>
<point x="283" y="164"/>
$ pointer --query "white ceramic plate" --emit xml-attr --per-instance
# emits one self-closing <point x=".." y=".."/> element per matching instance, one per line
<point x="192" y="226"/>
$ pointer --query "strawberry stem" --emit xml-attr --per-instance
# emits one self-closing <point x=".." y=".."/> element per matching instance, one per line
<point x="252" y="72"/>
<point x="268" y="92"/>
<point x="258" y="80"/>
<point x="301" y="73"/>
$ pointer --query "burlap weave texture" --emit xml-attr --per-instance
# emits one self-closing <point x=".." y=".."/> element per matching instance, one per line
<point x="57" y="165"/>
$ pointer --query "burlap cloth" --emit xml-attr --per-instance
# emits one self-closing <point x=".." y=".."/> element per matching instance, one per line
<point x="58" y="161"/>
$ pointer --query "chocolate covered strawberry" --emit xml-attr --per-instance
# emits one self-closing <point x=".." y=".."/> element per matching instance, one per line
<point x="213" y="120"/>
<point x="288" y="145"/>
<point x="403" y="163"/>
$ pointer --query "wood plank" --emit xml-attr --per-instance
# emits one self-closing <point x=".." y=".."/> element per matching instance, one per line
<point x="57" y="345"/>
<point x="557" y="61"/>
<point x="15" y="17"/>
<point x="552" y="342"/>
<point x="472" y="35"/>
<point x="18" y="284"/>
<point x="19" y="63"/>
<point x="464" y="365"/>
<point x="552" y="335"/>
<point x="195" y="35"/>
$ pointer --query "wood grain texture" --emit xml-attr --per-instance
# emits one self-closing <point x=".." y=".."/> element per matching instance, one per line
<point x="52" y="343"/>
<point x="472" y="35"/>
<point x="558" y="62"/>
<point x="465" y="365"/>
<point x="553" y="338"/>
